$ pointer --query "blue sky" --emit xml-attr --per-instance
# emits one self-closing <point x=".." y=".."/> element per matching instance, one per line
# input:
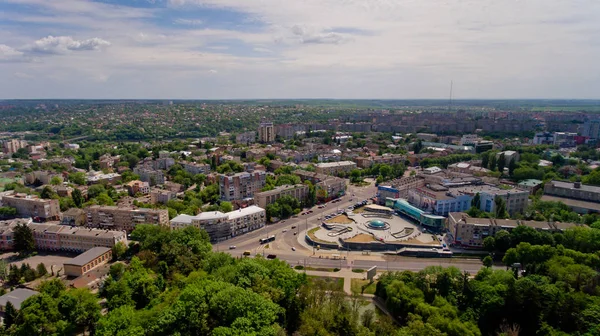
<point x="219" y="49"/>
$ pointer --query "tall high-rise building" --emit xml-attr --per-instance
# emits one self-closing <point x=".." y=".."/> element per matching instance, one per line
<point x="266" y="132"/>
<point x="591" y="129"/>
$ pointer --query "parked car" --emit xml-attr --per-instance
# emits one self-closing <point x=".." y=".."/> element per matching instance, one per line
<point x="232" y="247"/>
<point x="293" y="226"/>
<point x="284" y="230"/>
<point x="293" y="248"/>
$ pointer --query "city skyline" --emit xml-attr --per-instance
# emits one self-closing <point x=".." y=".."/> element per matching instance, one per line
<point x="232" y="49"/>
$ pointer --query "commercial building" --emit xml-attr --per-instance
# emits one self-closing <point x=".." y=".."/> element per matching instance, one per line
<point x="484" y="146"/>
<point x="470" y="232"/>
<point x="87" y="261"/>
<point x="196" y="168"/>
<point x="33" y="206"/>
<point x="468" y="168"/>
<point x="150" y="175"/>
<point x="469" y="140"/>
<point x="266" y="132"/>
<point x="508" y="157"/>
<point x="335" y="168"/>
<point x="222" y="226"/>
<point x="123" y="219"/>
<point x="241" y="185"/>
<point x="298" y="191"/>
<point x="402" y="206"/>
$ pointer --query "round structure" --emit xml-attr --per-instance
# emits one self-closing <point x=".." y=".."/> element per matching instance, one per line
<point x="377" y="224"/>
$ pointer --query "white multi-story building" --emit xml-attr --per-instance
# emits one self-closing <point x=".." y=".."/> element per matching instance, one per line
<point x="222" y="226"/>
<point x="469" y="140"/>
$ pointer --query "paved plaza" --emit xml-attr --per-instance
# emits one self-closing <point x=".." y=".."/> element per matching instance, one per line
<point x="370" y="226"/>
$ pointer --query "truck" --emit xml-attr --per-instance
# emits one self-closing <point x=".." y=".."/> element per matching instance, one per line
<point x="246" y="253"/>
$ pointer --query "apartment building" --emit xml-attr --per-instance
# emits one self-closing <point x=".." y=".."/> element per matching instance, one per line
<point x="33" y="206"/>
<point x="246" y="138"/>
<point x="162" y="196"/>
<point x="73" y="217"/>
<point x="266" y="132"/>
<point x="13" y="145"/>
<point x="335" y="168"/>
<point x="241" y="185"/>
<point x="196" y="168"/>
<point x="136" y="186"/>
<point x="298" y="191"/>
<point x="222" y="226"/>
<point x="150" y="175"/>
<point x="508" y="156"/>
<point x="7" y="233"/>
<point x="470" y="232"/>
<point x="108" y="161"/>
<point x="123" y="219"/>
<point x="54" y="237"/>
<point x="516" y="200"/>
<point x="327" y="187"/>
<point x="41" y="176"/>
<point x="368" y="162"/>
<point x="98" y="177"/>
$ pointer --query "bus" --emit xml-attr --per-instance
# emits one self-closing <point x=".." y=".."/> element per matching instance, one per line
<point x="266" y="240"/>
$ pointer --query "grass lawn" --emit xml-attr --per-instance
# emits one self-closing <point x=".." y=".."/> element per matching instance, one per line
<point x="333" y="283"/>
<point x="357" y="284"/>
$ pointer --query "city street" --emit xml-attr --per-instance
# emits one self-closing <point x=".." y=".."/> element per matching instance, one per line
<point x="308" y="256"/>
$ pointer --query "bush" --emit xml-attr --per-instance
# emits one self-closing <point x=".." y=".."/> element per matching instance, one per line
<point x="336" y="269"/>
<point x="358" y="270"/>
<point x="299" y="267"/>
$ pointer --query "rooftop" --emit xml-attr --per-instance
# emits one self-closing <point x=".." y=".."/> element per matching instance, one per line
<point x="530" y="183"/>
<point x="569" y="185"/>
<point x="17" y="297"/>
<point x="253" y="209"/>
<point x="572" y="203"/>
<point x="336" y="164"/>
<point x="88" y="256"/>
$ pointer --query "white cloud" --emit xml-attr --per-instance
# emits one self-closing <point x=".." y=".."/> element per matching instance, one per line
<point x="325" y="48"/>
<point x="212" y="71"/>
<point x="9" y="54"/>
<point x="22" y="75"/>
<point x="187" y="22"/>
<point x="65" y="44"/>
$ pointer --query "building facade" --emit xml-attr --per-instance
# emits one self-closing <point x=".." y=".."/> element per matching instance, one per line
<point x="470" y="232"/>
<point x="33" y="206"/>
<point x="571" y="190"/>
<point x="335" y="168"/>
<point x="123" y="219"/>
<point x="162" y="196"/>
<point x="196" y="168"/>
<point x="298" y="191"/>
<point x="241" y="185"/>
<point x="87" y="261"/>
<point x="266" y="132"/>
<point x="222" y="226"/>
<point x="150" y="175"/>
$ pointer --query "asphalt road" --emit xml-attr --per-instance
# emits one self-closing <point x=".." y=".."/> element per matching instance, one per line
<point x="282" y="246"/>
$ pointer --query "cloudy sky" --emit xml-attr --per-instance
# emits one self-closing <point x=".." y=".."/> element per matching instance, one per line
<point x="219" y="49"/>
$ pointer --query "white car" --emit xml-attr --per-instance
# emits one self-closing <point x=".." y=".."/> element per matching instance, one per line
<point x="233" y="247"/>
<point x="284" y="230"/>
<point x="293" y="248"/>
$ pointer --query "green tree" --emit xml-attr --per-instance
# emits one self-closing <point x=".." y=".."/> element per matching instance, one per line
<point x="500" y="208"/>
<point x="476" y="201"/>
<point x="10" y="315"/>
<point x="78" y="178"/>
<point x="23" y="239"/>
<point x="41" y="270"/>
<point x="501" y="162"/>
<point x="226" y="207"/>
<point x="489" y="244"/>
<point x="492" y="162"/>
<point x="119" y="250"/>
<point x="48" y="193"/>
<point x="81" y="308"/>
<point x="512" y="165"/>
<point x="77" y="197"/>
<point x="487" y="261"/>
<point x="56" y="181"/>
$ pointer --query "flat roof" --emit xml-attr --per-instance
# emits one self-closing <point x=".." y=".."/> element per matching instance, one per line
<point x="570" y="185"/>
<point x="335" y="164"/>
<point x="253" y="209"/>
<point x="88" y="256"/>
<point x="572" y="203"/>
<point x="17" y="297"/>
